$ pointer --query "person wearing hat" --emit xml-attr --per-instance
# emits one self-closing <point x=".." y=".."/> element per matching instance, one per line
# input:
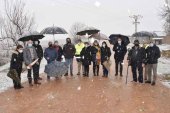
<point x="137" y="57"/>
<point x="153" y="54"/>
<point x="79" y="46"/>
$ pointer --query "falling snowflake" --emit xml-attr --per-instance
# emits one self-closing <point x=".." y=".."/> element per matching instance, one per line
<point x="97" y="4"/>
<point x="79" y="88"/>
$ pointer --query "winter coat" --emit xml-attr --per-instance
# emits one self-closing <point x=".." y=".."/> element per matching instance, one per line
<point x="86" y="55"/>
<point x="50" y="54"/>
<point x="16" y="61"/>
<point x="69" y="51"/>
<point x="39" y="51"/>
<point x="94" y="51"/>
<point x="59" y="51"/>
<point x="120" y="52"/>
<point x="105" y="54"/>
<point x="137" y="55"/>
<point x="153" y="54"/>
<point x="27" y="55"/>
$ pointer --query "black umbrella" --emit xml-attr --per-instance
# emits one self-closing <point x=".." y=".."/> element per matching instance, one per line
<point x="53" y="30"/>
<point x="144" y="34"/>
<point x="31" y="36"/>
<point x="113" y="39"/>
<point x="88" y="30"/>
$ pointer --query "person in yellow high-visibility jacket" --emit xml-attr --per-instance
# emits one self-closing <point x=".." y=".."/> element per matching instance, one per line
<point x="79" y="46"/>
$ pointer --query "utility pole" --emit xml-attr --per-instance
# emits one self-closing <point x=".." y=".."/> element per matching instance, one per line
<point x="136" y="21"/>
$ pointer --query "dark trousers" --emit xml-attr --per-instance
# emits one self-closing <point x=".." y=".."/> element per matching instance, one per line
<point x="35" y="69"/>
<point x="117" y="64"/>
<point x="86" y="70"/>
<point x="38" y="68"/>
<point x="16" y="84"/>
<point x="137" y="67"/>
<point x="95" y="69"/>
<point x="105" y="71"/>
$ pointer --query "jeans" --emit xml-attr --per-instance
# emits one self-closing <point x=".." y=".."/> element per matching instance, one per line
<point x="105" y="71"/>
<point x="69" y="62"/>
<point x="138" y="66"/>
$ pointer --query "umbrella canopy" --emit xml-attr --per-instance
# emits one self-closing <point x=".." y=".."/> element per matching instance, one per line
<point x="88" y="30"/>
<point x="113" y="39"/>
<point x="144" y="34"/>
<point x="54" y="30"/>
<point x="31" y="36"/>
<point x="99" y="36"/>
<point x="56" y="69"/>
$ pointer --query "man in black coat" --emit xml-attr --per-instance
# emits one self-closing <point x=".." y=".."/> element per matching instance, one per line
<point x="69" y="52"/>
<point x="137" y="57"/>
<point x="153" y="54"/>
<point x="39" y="51"/>
<point x="120" y="50"/>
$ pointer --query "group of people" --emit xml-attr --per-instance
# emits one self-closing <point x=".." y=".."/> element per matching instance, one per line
<point x="139" y="58"/>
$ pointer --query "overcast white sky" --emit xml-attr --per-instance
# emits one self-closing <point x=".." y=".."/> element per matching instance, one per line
<point x="110" y="16"/>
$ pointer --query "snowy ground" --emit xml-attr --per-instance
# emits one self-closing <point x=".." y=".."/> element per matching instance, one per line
<point x="6" y="82"/>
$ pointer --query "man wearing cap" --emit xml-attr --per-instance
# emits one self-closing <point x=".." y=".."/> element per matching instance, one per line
<point x="137" y="57"/>
<point x="79" y="46"/>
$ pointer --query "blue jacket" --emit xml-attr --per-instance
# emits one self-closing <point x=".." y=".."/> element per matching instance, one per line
<point x="50" y="54"/>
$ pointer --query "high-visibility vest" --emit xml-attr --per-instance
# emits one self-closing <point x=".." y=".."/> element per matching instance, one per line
<point x="79" y="48"/>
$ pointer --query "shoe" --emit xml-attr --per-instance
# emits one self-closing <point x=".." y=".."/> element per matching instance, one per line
<point x="116" y="74"/>
<point x="78" y="73"/>
<point x="38" y="83"/>
<point x="30" y="84"/>
<point x="121" y="75"/>
<point x="153" y="83"/>
<point x="66" y="74"/>
<point x="148" y="82"/>
<point x="21" y="86"/>
<point x="48" y="77"/>
<point x="71" y="74"/>
<point x="39" y="78"/>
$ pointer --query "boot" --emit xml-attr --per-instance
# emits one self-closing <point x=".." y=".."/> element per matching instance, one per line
<point x="30" y="82"/>
<point x="36" y="82"/>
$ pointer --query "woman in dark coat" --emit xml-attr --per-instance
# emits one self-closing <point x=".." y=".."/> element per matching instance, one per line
<point x="120" y="50"/>
<point x="16" y="64"/>
<point x="86" y="58"/>
<point x="105" y="55"/>
<point x="96" y="57"/>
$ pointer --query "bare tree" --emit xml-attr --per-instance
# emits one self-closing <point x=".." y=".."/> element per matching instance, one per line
<point x="76" y="27"/>
<point x="16" y="20"/>
<point x="165" y="14"/>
